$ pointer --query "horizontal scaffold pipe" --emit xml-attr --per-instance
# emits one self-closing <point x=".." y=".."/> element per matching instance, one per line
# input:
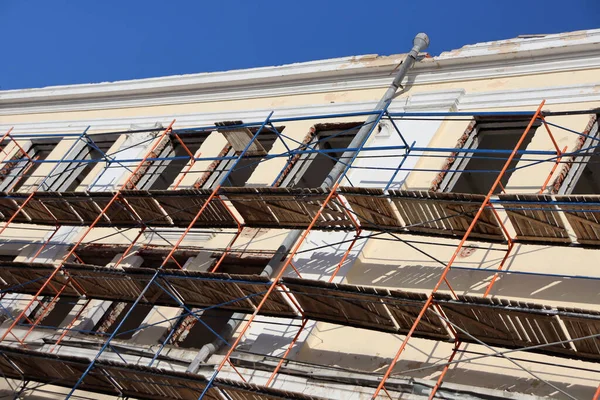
<point x="397" y="115"/>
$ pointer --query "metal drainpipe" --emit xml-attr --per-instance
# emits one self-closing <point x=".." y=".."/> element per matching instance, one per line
<point x="420" y="43"/>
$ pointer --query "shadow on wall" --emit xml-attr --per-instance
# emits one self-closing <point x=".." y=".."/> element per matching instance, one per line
<point x="471" y="376"/>
<point x="321" y="265"/>
<point x="424" y="277"/>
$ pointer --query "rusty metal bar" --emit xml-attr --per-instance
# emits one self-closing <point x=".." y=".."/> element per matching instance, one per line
<point x="456" y="252"/>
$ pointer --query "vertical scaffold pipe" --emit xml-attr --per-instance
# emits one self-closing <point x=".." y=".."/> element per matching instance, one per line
<point x="420" y="43"/>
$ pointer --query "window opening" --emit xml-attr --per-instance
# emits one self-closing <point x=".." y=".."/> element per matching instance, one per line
<point x="310" y="170"/>
<point x="67" y="176"/>
<point x="243" y="170"/>
<point x="583" y="176"/>
<point x="115" y="314"/>
<point x="162" y="174"/>
<point x="190" y="333"/>
<point x="14" y="174"/>
<point x="465" y="169"/>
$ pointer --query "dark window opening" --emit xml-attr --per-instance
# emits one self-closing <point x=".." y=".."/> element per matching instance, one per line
<point x="61" y="310"/>
<point x="99" y="151"/>
<point x="476" y="172"/>
<point x="116" y="313"/>
<point x="162" y="174"/>
<point x="58" y="311"/>
<point x="244" y="264"/>
<point x="589" y="180"/>
<point x="244" y="168"/>
<point x="199" y="334"/>
<point x="14" y="174"/>
<point x="310" y="170"/>
<point x="191" y="333"/>
<point x="9" y="257"/>
<point x="584" y="174"/>
<point x="68" y="175"/>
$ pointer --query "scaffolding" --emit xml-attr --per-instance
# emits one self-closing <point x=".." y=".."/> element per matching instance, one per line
<point x="368" y="213"/>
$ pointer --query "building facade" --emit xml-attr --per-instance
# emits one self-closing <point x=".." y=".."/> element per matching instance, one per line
<point x="141" y="219"/>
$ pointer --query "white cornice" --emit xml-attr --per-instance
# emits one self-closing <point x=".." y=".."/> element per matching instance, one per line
<point x="589" y="92"/>
<point x="552" y="53"/>
<point x="438" y="100"/>
<point x="454" y="99"/>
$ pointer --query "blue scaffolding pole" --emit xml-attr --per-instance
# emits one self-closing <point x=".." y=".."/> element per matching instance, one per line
<point x="156" y="274"/>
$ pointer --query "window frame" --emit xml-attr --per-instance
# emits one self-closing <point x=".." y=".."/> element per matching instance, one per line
<point x="221" y="167"/>
<point x="297" y="167"/>
<point x="68" y="173"/>
<point x="156" y="169"/>
<point x="577" y="165"/>
<point x="13" y="179"/>
<point x="472" y="139"/>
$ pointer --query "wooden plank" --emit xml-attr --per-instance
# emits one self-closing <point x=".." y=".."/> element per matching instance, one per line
<point x="240" y="293"/>
<point x="239" y="138"/>
<point x="340" y="304"/>
<point x="286" y="208"/>
<point x="28" y="278"/>
<point x="182" y="206"/>
<point x="49" y="208"/>
<point x="250" y="204"/>
<point x="505" y="323"/>
<point x="372" y="208"/>
<point x="534" y="218"/>
<point x="87" y="209"/>
<point x="9" y="204"/>
<point x="447" y="214"/>
<point x="118" y="213"/>
<point x="57" y="370"/>
<point x="583" y="217"/>
<point x="146" y="207"/>
<point x="405" y="307"/>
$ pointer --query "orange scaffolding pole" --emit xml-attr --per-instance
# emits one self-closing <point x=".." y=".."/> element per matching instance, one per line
<point x="339" y="265"/>
<point x="356" y="236"/>
<point x="287" y="351"/>
<point x="597" y="394"/>
<point x="276" y="279"/>
<point x="19" y="147"/>
<point x="2" y="140"/>
<point x="506" y="255"/>
<point x="191" y="164"/>
<point x="240" y="228"/>
<point x="446" y="368"/>
<point x="86" y="232"/>
<point x="142" y="230"/>
<point x="68" y="327"/>
<point x="456" y="253"/>
<point x="559" y="155"/>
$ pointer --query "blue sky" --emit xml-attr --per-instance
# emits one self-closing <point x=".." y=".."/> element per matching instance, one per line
<point x="59" y="42"/>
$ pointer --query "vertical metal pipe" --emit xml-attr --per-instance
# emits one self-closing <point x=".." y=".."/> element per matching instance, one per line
<point x="420" y="43"/>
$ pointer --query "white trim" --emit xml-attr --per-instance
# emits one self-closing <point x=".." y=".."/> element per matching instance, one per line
<point x="588" y="92"/>
<point x="552" y="53"/>
<point x="453" y="99"/>
<point x="421" y="101"/>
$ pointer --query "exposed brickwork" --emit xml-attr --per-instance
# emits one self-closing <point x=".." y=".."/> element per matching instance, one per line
<point x="184" y="325"/>
<point x="566" y="166"/>
<point x="7" y="167"/>
<point x="110" y="316"/>
<point x="312" y="133"/>
<point x="211" y="168"/>
<point x="39" y="310"/>
<point x="146" y="165"/>
<point x="435" y="184"/>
